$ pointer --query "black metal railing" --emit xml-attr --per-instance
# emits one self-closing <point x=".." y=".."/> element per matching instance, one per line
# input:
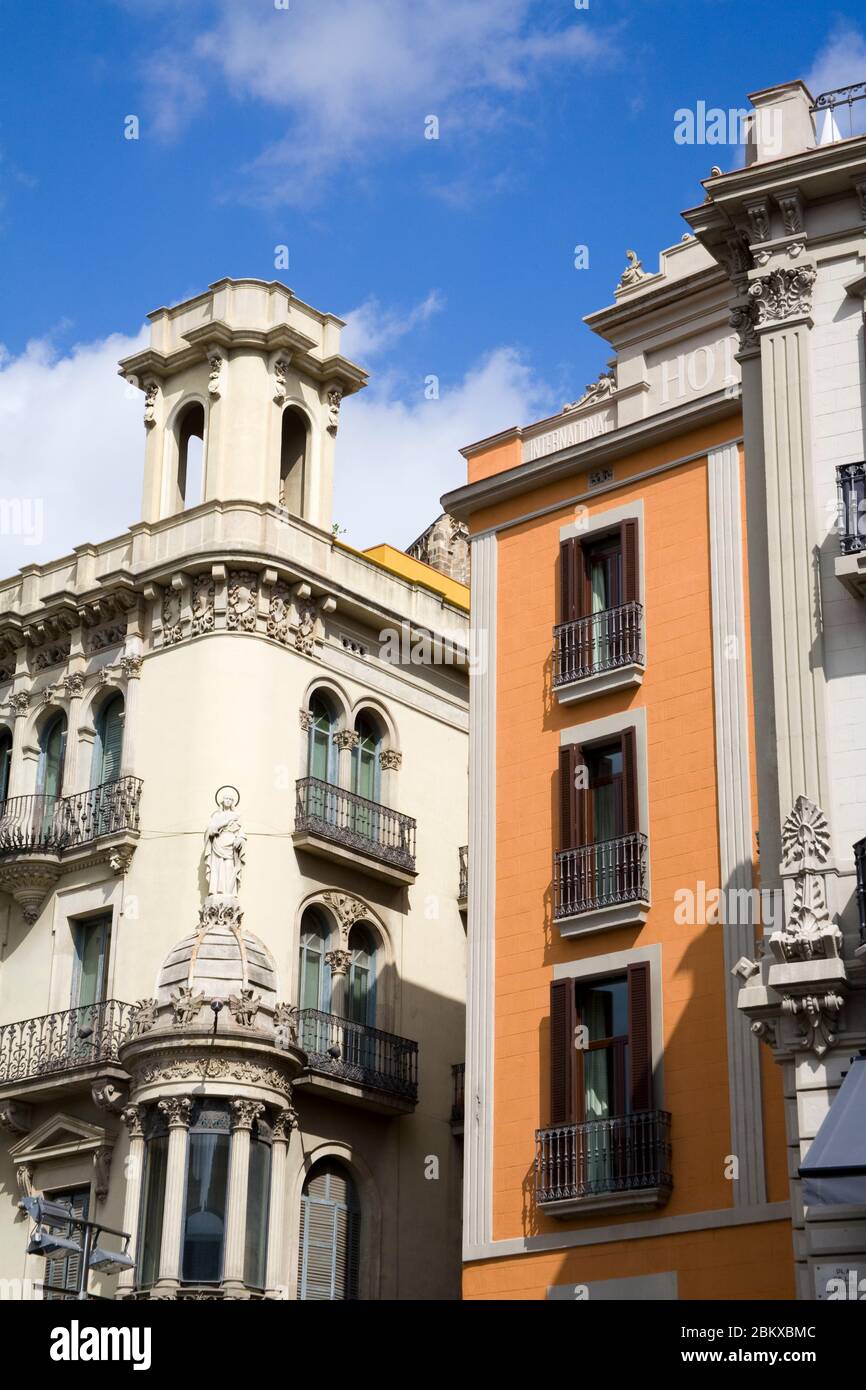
<point x="602" y="642"/>
<point x="625" y="1154"/>
<point x="602" y="875"/>
<point x="851" y="489"/>
<point x="64" y="1041"/>
<point x="355" y="823"/>
<point x="458" y="1098"/>
<point x="52" y="824"/>
<point x="860" y="866"/>
<point x="463" y="889"/>
<point x="355" y="1052"/>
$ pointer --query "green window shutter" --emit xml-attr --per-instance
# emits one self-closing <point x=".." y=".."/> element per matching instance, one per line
<point x="61" y="1274"/>
<point x="52" y="758"/>
<point x="5" y="765"/>
<point x="329" y="1237"/>
<point x="111" y="741"/>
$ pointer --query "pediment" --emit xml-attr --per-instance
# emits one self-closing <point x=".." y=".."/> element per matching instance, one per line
<point x="59" y="1136"/>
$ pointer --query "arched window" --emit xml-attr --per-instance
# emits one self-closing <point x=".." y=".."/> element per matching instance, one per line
<point x="365" y="758"/>
<point x="108" y="749"/>
<point x="190" y="457"/>
<point x="361" y="1002"/>
<point x="322" y="756"/>
<point x="5" y="763"/>
<point x="314" y="977"/>
<point x="329" y="1251"/>
<point x="52" y="755"/>
<point x="293" y="461"/>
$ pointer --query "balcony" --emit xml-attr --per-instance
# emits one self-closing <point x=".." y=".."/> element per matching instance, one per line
<point x="604" y="1164"/>
<point x="850" y="566"/>
<point x="41" y="835"/>
<point x="458" y="1100"/>
<point x="599" y="653"/>
<point x="860" y="867"/>
<point x="341" y="826"/>
<point x="463" y="882"/>
<point x="41" y="1057"/>
<point x="598" y="887"/>
<point x="358" y="1064"/>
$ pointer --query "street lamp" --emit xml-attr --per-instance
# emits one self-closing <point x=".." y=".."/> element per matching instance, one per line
<point x="46" y="1241"/>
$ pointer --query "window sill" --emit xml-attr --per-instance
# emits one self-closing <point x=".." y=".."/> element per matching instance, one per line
<point x="851" y="571"/>
<point x="643" y="1199"/>
<point x="631" y="914"/>
<point x="623" y="678"/>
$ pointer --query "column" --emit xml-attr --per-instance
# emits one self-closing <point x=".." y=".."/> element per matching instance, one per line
<point x="20" y="704"/>
<point x="73" y="687"/>
<point x="276" y="1279"/>
<point x="339" y="963"/>
<point x="244" y="1115"/>
<point x="132" y="1117"/>
<point x="177" y="1111"/>
<point x="130" y="665"/>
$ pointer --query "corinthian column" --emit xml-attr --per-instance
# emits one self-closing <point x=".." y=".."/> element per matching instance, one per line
<point x="244" y="1115"/>
<point x="339" y="963"/>
<point x="177" y="1111"/>
<point x="132" y="1117"/>
<point x="277" y="1276"/>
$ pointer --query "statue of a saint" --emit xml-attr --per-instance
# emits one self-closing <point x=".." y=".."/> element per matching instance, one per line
<point x="224" y="843"/>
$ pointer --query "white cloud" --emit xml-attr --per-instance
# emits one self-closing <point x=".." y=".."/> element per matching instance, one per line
<point x="840" y="62"/>
<point x="357" y="78"/>
<point x="371" y="328"/>
<point x="397" y="456"/>
<point x="71" y="449"/>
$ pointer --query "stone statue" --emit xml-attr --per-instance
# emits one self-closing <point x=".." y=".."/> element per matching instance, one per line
<point x="224" y="843"/>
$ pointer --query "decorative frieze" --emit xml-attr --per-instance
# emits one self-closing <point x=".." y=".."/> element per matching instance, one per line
<point x="55" y="654"/>
<point x="243" y="598"/>
<point x="172" y="609"/>
<point x="280" y="615"/>
<point x="111" y="636"/>
<point x="222" y="1067"/>
<point x="203" y="601"/>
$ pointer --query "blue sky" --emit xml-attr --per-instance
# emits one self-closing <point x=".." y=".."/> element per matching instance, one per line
<point x="304" y="126"/>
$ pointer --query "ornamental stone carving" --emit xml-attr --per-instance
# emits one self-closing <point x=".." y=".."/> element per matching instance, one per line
<point x="390" y="760"/>
<point x="104" y="637"/>
<point x="286" y="1018"/>
<point x="15" y="1117"/>
<point x="860" y="190"/>
<point x="120" y="858"/>
<point x="144" y="1017"/>
<point x="279" y="615"/>
<point x="214" y="380"/>
<point x="281" y="374"/>
<point x="305" y="717"/>
<point x="285" y="1121"/>
<point x="224" y="847"/>
<point x="244" y="1006"/>
<point x="151" y="392"/>
<point x="29" y="884"/>
<point x="633" y="273"/>
<point x="168" y="1069"/>
<point x="339" y="961"/>
<point x="20" y="703"/>
<point x="203" y="594"/>
<point x="55" y="655"/>
<point x="346" y="738"/>
<point x="735" y="256"/>
<point x="171" y="613"/>
<point x="818" y="1013"/>
<point x="791" y="208"/>
<point x="177" y="1111"/>
<point x="783" y="294"/>
<point x="73" y="685"/>
<point x="596" y="391"/>
<point x="101" y="1171"/>
<point x="335" y="396"/>
<point x="744" y="321"/>
<point x="133" y="1117"/>
<point x="243" y="598"/>
<point x="759" y="219"/>
<point x="808" y="932"/>
<point x="24" y="1178"/>
<point x="347" y="909"/>
<point x="131" y="667"/>
<point x="306" y="628"/>
<point x="245" y="1113"/>
<point x="107" y="1095"/>
<point x="186" y="1005"/>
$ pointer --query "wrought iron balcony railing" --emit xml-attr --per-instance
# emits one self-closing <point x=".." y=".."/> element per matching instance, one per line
<point x="64" y="1041"/>
<point x="463" y="889"/>
<point x="851" y="488"/>
<point x="627" y="1154"/>
<point x="352" y="821"/>
<point x="602" y="875"/>
<point x="51" y="824"/>
<point x="602" y="642"/>
<point x="458" y="1102"/>
<point x="354" y="1052"/>
<point x="827" y="107"/>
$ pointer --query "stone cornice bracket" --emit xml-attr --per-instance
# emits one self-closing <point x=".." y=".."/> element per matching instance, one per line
<point x="29" y="885"/>
<point x="108" y="1096"/>
<point x="818" y="1013"/>
<point x="782" y="295"/>
<point x="245" y="1113"/>
<point x="758" y="213"/>
<point x="15" y="1117"/>
<point x="860" y="190"/>
<point x="790" y="204"/>
<point x="177" y="1111"/>
<point x="744" y="320"/>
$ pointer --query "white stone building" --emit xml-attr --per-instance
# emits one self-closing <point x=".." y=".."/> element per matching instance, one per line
<point x="789" y="228"/>
<point x="231" y="950"/>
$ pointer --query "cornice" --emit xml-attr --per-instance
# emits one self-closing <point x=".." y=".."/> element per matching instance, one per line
<point x="655" y="429"/>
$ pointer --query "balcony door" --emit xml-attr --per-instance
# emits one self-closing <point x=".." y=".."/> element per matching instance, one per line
<point x="329" y="1244"/>
<point x="322" y="762"/>
<point x="360" y="1047"/>
<point x="52" y="758"/>
<point x="603" y="565"/>
<point x="105" y="771"/>
<point x="365" y="778"/>
<point x="314" y="982"/>
<point x="92" y="941"/>
<point x="5" y="764"/>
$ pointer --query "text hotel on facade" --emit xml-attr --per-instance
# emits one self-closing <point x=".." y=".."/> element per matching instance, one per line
<point x="628" y="1134"/>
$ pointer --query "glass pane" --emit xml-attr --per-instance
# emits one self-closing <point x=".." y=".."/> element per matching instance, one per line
<point x="152" y="1207"/>
<point x="603" y="1009"/>
<point x="258" y="1194"/>
<point x="204" y="1222"/>
<point x="5" y="765"/>
<point x="311" y="977"/>
<point x="91" y="945"/>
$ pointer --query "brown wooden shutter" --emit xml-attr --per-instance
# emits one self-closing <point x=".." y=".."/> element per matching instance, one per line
<point x="572" y="800"/>
<point x="640" y="1037"/>
<point x="563" y="1020"/>
<point x="630" y="572"/>
<point x="568" y="580"/>
<point x="630" y="810"/>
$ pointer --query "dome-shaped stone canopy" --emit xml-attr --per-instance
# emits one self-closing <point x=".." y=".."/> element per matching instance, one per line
<point x="222" y="960"/>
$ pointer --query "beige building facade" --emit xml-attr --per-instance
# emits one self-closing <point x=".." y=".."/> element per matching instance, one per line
<point x="231" y="950"/>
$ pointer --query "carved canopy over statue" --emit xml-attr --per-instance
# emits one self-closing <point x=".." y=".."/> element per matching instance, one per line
<point x="224" y="844"/>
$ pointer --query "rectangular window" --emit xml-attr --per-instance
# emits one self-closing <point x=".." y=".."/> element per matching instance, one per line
<point x="599" y="573"/>
<point x="601" y="1047"/>
<point x="62" y="1274"/>
<point x="598" y="791"/>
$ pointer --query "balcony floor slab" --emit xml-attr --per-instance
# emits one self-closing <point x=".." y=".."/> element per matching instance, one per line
<point x="633" y="914"/>
<point x="341" y="854"/>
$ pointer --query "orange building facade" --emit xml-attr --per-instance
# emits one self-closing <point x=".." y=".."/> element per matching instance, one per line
<point x="624" y="1133"/>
